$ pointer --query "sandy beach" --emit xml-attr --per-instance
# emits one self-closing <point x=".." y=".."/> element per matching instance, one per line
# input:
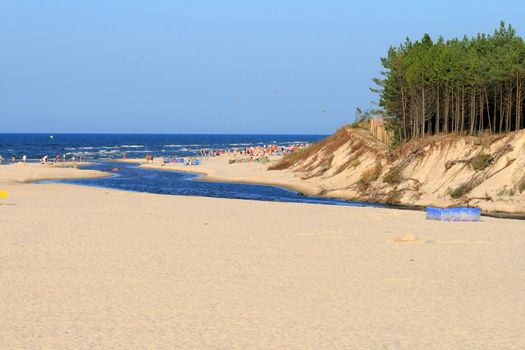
<point x="30" y="172"/>
<point x="86" y="268"/>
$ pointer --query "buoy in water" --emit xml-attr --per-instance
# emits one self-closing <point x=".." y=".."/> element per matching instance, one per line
<point x="114" y="169"/>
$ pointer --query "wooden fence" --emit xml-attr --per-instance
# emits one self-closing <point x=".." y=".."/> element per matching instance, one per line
<point x="377" y="129"/>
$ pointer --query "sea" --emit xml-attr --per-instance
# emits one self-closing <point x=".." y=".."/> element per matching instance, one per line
<point x="103" y="149"/>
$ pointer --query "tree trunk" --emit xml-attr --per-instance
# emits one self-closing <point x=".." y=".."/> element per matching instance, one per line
<point x="403" y="105"/>
<point x="445" y="127"/>
<point x="462" y="109"/>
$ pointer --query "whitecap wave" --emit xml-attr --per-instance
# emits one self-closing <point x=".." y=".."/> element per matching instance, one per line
<point x="81" y="153"/>
<point x="104" y="151"/>
<point x="240" y="144"/>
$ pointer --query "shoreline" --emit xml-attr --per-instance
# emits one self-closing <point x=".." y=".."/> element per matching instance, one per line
<point x="60" y="172"/>
<point x="209" y="174"/>
<point x="305" y="189"/>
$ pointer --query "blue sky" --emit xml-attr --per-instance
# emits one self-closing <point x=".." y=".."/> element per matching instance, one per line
<point x="209" y="66"/>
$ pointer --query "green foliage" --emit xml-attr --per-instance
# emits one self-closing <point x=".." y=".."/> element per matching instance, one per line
<point x="481" y="161"/>
<point x="393" y="176"/>
<point x="370" y="175"/>
<point x="363" y="117"/>
<point x="393" y="196"/>
<point x="521" y="184"/>
<point x="466" y="85"/>
<point x="359" y="125"/>
<point x="459" y="192"/>
<point x="507" y="191"/>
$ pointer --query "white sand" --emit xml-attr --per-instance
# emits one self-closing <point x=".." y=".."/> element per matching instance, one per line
<point x="30" y="172"/>
<point x="90" y="268"/>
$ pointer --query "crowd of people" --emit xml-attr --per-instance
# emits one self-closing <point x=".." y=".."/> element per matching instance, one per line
<point x="44" y="159"/>
<point x="253" y="152"/>
<point x="248" y="153"/>
<point x="14" y="159"/>
<point x="63" y="159"/>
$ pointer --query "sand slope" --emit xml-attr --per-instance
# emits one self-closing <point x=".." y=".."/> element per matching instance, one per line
<point x="89" y="268"/>
<point x="352" y="165"/>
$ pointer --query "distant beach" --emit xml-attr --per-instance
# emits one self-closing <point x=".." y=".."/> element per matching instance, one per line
<point x="114" y="146"/>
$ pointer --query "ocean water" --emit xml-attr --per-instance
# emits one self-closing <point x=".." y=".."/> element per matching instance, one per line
<point x="111" y="146"/>
<point x="102" y="149"/>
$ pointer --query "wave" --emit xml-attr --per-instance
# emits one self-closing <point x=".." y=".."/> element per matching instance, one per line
<point x="81" y="153"/>
<point x="132" y="146"/>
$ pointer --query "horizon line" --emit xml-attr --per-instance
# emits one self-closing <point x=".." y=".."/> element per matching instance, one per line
<point x="152" y="133"/>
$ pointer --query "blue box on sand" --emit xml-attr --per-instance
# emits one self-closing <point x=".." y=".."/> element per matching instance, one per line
<point x="453" y="214"/>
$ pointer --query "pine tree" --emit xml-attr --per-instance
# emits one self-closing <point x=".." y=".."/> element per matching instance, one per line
<point x="467" y="86"/>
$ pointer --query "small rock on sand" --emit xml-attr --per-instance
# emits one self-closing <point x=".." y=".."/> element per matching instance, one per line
<point x="408" y="238"/>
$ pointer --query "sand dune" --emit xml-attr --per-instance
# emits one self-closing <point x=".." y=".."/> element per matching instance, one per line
<point x="86" y="268"/>
<point x="485" y="171"/>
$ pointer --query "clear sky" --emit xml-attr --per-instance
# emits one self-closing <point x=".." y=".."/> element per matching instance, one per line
<point x="209" y="66"/>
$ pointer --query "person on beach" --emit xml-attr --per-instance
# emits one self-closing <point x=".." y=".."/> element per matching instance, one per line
<point x="13" y="158"/>
<point x="1" y="159"/>
<point x="24" y="158"/>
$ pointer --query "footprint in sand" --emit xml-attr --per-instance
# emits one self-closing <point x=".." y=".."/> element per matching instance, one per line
<point x="408" y="238"/>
